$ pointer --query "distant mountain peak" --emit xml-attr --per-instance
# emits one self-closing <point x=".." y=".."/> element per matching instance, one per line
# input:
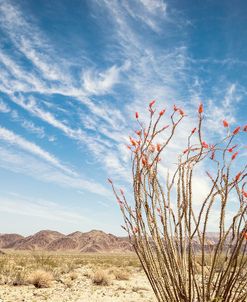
<point x="48" y="240"/>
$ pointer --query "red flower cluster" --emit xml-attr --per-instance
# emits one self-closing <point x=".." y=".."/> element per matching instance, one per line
<point x="238" y="176"/>
<point x="200" y="109"/>
<point x="235" y="131"/>
<point x="234" y="155"/>
<point x="225" y="124"/>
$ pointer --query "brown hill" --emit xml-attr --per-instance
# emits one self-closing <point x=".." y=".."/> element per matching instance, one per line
<point x="93" y="241"/>
<point x="38" y="241"/>
<point x="7" y="239"/>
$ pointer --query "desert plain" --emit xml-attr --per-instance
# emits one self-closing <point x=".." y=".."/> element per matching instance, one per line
<point x="34" y="276"/>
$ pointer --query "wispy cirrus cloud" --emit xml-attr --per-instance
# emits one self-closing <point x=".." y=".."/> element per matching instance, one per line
<point x="100" y="83"/>
<point x="27" y="164"/>
<point x="16" y="140"/>
<point x="4" y="107"/>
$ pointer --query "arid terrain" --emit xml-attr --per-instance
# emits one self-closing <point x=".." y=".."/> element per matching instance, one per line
<point x="47" y="276"/>
<point x="79" y="267"/>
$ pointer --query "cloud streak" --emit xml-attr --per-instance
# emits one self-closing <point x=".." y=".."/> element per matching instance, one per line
<point x="14" y="139"/>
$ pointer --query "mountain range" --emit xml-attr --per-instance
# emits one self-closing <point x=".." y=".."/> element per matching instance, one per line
<point x="46" y="240"/>
<point x="88" y="242"/>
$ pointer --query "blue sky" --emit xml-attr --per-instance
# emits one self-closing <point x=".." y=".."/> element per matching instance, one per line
<point x="71" y="75"/>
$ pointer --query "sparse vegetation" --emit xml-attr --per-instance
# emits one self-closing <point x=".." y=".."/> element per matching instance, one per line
<point x="101" y="277"/>
<point x="120" y="274"/>
<point x="73" y="276"/>
<point x="23" y="274"/>
<point x="41" y="279"/>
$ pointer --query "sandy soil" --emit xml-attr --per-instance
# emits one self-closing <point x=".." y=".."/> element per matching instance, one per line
<point x="136" y="289"/>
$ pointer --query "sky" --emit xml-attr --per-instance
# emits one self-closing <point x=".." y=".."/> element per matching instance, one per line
<point x="72" y="74"/>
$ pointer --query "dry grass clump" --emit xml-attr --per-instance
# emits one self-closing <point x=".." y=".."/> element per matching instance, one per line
<point x="121" y="275"/>
<point x="20" y="278"/>
<point x="101" y="277"/>
<point x="41" y="279"/>
<point x="73" y="276"/>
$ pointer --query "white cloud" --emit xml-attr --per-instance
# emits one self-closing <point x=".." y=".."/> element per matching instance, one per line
<point x="225" y="108"/>
<point x="155" y="6"/>
<point x="100" y="82"/>
<point x="23" y="163"/>
<point x="28" y="41"/>
<point x="14" y="139"/>
<point x="4" y="107"/>
<point x="30" y="126"/>
<point x="43" y="209"/>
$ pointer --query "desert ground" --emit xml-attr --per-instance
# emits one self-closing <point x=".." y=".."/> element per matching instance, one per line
<point x="59" y="277"/>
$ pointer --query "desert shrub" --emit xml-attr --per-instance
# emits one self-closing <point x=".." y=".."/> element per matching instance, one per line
<point x="170" y="219"/>
<point x="73" y="276"/>
<point x="19" y="278"/>
<point x="41" y="279"/>
<point x="43" y="260"/>
<point x="101" y="277"/>
<point x="120" y="274"/>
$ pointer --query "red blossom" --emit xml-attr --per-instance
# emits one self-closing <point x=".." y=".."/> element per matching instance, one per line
<point x="175" y="108"/>
<point x="231" y="149"/>
<point x="235" y="131"/>
<point x="244" y="193"/>
<point x="193" y="131"/>
<point x="133" y="142"/>
<point x="245" y="235"/>
<point x="245" y="128"/>
<point x="181" y="111"/>
<point x="158" y="146"/>
<point x="185" y="151"/>
<point x="137" y="115"/>
<point x="204" y="145"/>
<point x="144" y="161"/>
<point x="128" y="147"/>
<point x="152" y="148"/>
<point x="135" y="229"/>
<point x="138" y="132"/>
<point x="151" y="104"/>
<point x="238" y="176"/>
<point x="162" y="112"/>
<point x="137" y="150"/>
<point x="200" y="109"/>
<point x="225" y="124"/>
<point x="234" y="155"/>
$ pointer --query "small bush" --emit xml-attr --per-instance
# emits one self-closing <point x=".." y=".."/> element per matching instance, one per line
<point x="41" y="279"/>
<point x="73" y="276"/>
<point x="101" y="277"/>
<point x="121" y="275"/>
<point x="19" y="279"/>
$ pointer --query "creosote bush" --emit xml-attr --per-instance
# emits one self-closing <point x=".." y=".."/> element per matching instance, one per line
<point x="101" y="277"/>
<point x="41" y="279"/>
<point x="169" y="222"/>
<point x="120" y="274"/>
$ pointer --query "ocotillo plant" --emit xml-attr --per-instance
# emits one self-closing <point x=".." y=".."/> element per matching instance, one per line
<point x="167" y="224"/>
